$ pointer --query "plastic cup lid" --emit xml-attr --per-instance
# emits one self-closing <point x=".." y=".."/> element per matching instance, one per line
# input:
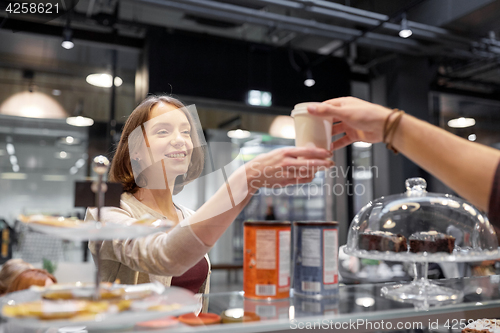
<point x="301" y="108"/>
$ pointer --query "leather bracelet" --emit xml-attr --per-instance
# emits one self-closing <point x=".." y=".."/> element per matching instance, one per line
<point x="390" y="129"/>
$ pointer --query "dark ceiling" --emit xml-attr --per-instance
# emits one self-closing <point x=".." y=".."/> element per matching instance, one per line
<point x="459" y="35"/>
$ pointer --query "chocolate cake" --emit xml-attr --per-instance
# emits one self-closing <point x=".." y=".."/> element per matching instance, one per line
<point x="483" y="326"/>
<point x="382" y="241"/>
<point x="432" y="242"/>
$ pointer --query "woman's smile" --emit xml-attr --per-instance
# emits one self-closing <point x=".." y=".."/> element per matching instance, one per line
<point x="177" y="155"/>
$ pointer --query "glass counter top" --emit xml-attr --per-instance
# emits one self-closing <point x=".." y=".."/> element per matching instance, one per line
<point x="357" y="307"/>
<point x="358" y="304"/>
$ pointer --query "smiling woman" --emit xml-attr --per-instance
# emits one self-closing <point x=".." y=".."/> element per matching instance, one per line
<point x="147" y="138"/>
<point x="162" y="149"/>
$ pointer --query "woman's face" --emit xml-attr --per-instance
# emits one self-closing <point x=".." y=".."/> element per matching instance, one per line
<point x="168" y="134"/>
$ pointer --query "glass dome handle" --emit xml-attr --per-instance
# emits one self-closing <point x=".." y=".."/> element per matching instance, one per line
<point x="416" y="184"/>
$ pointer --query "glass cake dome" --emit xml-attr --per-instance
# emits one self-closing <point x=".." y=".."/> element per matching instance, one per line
<point x="422" y="227"/>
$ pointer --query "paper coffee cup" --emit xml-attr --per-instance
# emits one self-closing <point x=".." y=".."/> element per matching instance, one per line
<point x="310" y="130"/>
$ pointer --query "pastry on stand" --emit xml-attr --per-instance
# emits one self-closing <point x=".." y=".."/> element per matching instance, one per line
<point x="95" y="305"/>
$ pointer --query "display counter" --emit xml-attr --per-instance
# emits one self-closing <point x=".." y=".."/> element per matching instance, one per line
<point x="359" y="308"/>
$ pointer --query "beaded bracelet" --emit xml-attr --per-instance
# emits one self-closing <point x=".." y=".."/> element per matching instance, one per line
<point x="390" y="129"/>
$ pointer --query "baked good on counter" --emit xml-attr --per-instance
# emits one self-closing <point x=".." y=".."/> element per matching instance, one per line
<point x="108" y="292"/>
<point x="382" y="241"/>
<point x="431" y="241"/>
<point x="54" y="221"/>
<point x="73" y="222"/>
<point x="483" y="326"/>
<point x="83" y="294"/>
<point x="52" y="310"/>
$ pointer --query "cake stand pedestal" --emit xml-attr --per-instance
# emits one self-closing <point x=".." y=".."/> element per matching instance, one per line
<point x="422" y="290"/>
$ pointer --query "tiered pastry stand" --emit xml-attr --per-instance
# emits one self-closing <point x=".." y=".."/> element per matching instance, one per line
<point x="98" y="231"/>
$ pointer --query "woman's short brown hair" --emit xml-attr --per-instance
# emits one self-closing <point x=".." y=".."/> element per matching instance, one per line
<point x="121" y="167"/>
<point x="30" y="277"/>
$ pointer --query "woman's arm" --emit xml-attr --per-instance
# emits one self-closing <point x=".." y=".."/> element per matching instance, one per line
<point x="466" y="167"/>
<point x="279" y="167"/>
<point x="168" y="254"/>
<point x="175" y="252"/>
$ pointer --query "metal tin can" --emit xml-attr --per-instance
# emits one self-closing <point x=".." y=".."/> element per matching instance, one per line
<point x="266" y="260"/>
<point x="315" y="259"/>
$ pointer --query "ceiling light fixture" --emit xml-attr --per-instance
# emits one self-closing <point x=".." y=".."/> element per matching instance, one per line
<point x="79" y="163"/>
<point x="472" y="137"/>
<point x="405" y="31"/>
<point x="238" y="134"/>
<point x="54" y="178"/>
<point x="13" y="175"/>
<point x="78" y="119"/>
<point x="32" y="104"/>
<point x="10" y="149"/>
<point x="103" y="80"/>
<point x="69" y="141"/>
<point x="67" y="42"/>
<point x="309" y="81"/>
<point x="461" y="122"/>
<point x="62" y="155"/>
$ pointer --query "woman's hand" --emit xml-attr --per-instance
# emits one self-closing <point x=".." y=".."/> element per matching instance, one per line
<point x="286" y="166"/>
<point x="358" y="119"/>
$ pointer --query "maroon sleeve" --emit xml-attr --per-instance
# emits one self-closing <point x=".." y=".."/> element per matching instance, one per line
<point x="494" y="207"/>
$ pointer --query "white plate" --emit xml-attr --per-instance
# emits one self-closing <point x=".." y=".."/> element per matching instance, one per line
<point x="173" y="295"/>
<point x="458" y="255"/>
<point x="89" y="231"/>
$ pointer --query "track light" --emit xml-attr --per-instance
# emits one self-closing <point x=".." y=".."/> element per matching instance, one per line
<point x="405" y="31"/>
<point x="238" y="134"/>
<point x="67" y="42"/>
<point x="309" y="81"/>
<point x="461" y="122"/>
<point x="103" y="80"/>
<point x="77" y="119"/>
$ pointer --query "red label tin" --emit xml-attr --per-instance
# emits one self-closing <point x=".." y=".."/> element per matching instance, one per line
<point x="266" y="260"/>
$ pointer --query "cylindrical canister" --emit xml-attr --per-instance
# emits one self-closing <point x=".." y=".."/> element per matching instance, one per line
<point x="266" y="260"/>
<point x="315" y="259"/>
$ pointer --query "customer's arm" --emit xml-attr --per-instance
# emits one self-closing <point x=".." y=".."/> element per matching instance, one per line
<point x="174" y="253"/>
<point x="279" y="167"/>
<point x="466" y="167"/>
